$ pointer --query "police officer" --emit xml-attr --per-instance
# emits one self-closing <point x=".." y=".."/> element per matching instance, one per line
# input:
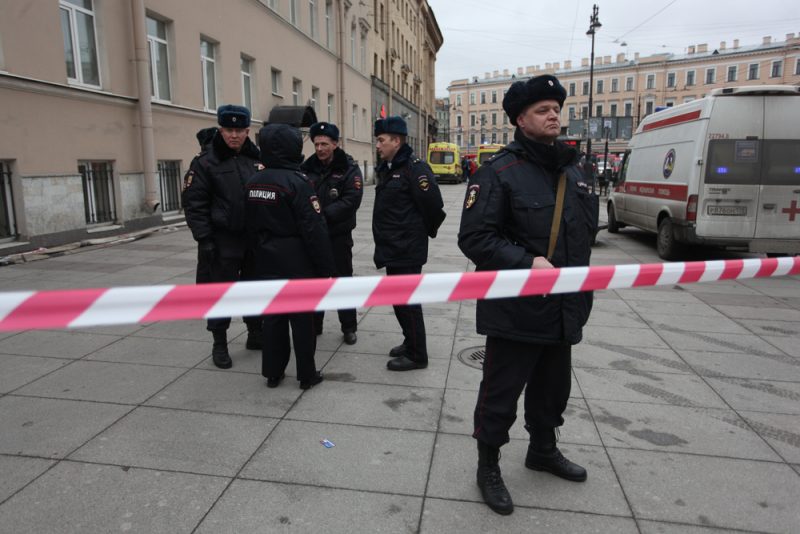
<point x="338" y="182"/>
<point x="288" y="238"/>
<point x="508" y="216"/>
<point x="213" y="201"/>
<point x="408" y="209"/>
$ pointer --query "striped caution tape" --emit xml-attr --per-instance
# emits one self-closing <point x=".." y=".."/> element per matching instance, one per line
<point x="24" y="310"/>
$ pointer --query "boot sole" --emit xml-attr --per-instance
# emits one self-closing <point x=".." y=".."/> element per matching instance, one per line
<point x="559" y="475"/>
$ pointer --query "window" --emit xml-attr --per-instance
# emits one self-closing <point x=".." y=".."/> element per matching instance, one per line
<point x="777" y="69"/>
<point x="169" y="173"/>
<point x="293" y="12"/>
<point x="363" y="49"/>
<point x="459" y="140"/>
<point x="732" y="73"/>
<point x="615" y="85"/>
<point x="494" y="97"/>
<point x="80" y="46"/>
<point x="353" y="43"/>
<point x="505" y="118"/>
<point x="584" y="112"/>
<point x="494" y="119"/>
<point x="329" y="24"/>
<point x="472" y="139"/>
<point x="651" y="81"/>
<point x="331" y="108"/>
<point x="598" y="110"/>
<point x="297" y="92"/>
<point x="247" y="87"/>
<point x="797" y="67"/>
<point x="648" y="107"/>
<point x="629" y="83"/>
<point x="276" y="82"/>
<point x="472" y="119"/>
<point x="458" y="121"/>
<point x="505" y="138"/>
<point x="571" y="112"/>
<point x="628" y="109"/>
<point x="711" y="76"/>
<point x="458" y="99"/>
<point x="355" y="121"/>
<point x="613" y="111"/>
<point x="315" y="99"/>
<point x="670" y="79"/>
<point x="8" y="226"/>
<point x="599" y="87"/>
<point x="472" y="98"/>
<point x="159" y="62"/>
<point x="483" y="97"/>
<point x="494" y="138"/>
<point x="209" y="75"/>
<point x="752" y="71"/>
<point x="98" y="191"/>
<point x="571" y="88"/>
<point x="585" y="88"/>
<point x="312" y="18"/>
<point x="690" y="77"/>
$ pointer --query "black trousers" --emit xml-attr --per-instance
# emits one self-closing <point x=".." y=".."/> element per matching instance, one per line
<point x="343" y="258"/>
<point x="411" y="320"/>
<point x="224" y="270"/>
<point x="277" y="347"/>
<point x="545" y="373"/>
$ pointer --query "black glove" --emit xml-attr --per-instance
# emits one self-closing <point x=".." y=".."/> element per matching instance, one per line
<point x="206" y="251"/>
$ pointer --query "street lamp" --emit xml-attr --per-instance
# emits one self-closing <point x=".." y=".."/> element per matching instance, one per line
<point x="594" y="25"/>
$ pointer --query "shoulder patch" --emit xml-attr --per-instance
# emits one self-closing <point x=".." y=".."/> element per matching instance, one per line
<point x="315" y="203"/>
<point x="472" y="196"/>
<point x="259" y="166"/>
<point x="357" y="181"/>
<point x="187" y="180"/>
<point x="423" y="182"/>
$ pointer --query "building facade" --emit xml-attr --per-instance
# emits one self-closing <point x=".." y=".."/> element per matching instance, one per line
<point x="443" y="119"/>
<point x="101" y="99"/>
<point x="625" y="90"/>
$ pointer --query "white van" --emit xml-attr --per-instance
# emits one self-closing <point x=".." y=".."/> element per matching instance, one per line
<point x="723" y="170"/>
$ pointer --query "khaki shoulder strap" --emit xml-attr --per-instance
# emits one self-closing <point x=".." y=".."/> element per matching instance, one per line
<point x="556" y="226"/>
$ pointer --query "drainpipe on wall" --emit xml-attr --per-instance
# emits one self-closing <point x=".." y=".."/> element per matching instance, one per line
<point x="142" y="62"/>
<point x="340" y="75"/>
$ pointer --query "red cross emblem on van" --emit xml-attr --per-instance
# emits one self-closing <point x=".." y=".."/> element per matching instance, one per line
<point x="792" y="210"/>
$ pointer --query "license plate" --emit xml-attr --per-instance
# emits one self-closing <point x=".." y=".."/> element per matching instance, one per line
<point x="735" y="211"/>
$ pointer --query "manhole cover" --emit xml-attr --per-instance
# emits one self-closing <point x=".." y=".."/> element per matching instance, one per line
<point x="473" y="357"/>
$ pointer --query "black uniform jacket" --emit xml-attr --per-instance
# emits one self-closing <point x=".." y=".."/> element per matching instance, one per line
<point x="213" y="194"/>
<point x="286" y="231"/>
<point x="506" y="221"/>
<point x="339" y="187"/>
<point x="408" y="209"/>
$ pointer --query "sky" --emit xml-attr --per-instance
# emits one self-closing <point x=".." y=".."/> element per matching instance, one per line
<point x="483" y="36"/>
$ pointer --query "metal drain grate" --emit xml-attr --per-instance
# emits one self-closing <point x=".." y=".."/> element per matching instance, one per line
<point x="473" y="357"/>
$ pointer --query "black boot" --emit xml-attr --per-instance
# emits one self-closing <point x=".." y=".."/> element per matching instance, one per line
<point x="490" y="481"/>
<point x="543" y="455"/>
<point x="254" y="336"/>
<point x="219" y="353"/>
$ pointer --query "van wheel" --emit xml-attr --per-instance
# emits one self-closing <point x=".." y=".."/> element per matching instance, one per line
<point x="613" y="225"/>
<point x="668" y="249"/>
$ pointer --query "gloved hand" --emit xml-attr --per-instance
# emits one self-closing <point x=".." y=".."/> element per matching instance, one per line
<point x="206" y="251"/>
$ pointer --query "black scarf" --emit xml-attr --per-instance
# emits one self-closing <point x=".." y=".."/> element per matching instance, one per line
<point x="553" y="158"/>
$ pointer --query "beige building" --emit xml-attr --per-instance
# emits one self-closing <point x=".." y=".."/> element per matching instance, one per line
<point x="100" y="100"/>
<point x="625" y="90"/>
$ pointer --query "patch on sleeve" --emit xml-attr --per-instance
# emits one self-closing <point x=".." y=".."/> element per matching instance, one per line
<point x="187" y="180"/>
<point x="584" y="186"/>
<point x="357" y="182"/>
<point x="315" y="203"/>
<point x="259" y="166"/>
<point x="472" y="196"/>
<point x="423" y="182"/>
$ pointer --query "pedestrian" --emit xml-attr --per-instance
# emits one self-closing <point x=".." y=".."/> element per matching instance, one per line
<point x="338" y="182"/>
<point x="465" y="168"/>
<point x="408" y="210"/>
<point x="288" y="238"/>
<point x="529" y="207"/>
<point x="213" y="203"/>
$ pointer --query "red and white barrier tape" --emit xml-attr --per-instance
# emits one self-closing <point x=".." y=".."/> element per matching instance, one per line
<point x="25" y="310"/>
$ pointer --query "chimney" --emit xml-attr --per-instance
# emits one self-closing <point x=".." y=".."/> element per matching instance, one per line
<point x="598" y="61"/>
<point x="520" y="71"/>
<point x="495" y="74"/>
<point x="789" y="36"/>
<point x="636" y="56"/>
<point x="505" y="73"/>
<point x="620" y="58"/>
<point x="567" y="64"/>
<point x="486" y="75"/>
<point x="702" y="48"/>
<point x="722" y="45"/>
<point x="556" y="65"/>
<point x="691" y="50"/>
<point x="735" y="44"/>
<point x="767" y="40"/>
<point x="585" y="62"/>
<point x="606" y="60"/>
<point x="530" y="69"/>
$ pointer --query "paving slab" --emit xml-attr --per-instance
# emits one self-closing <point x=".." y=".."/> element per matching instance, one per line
<point x="264" y="507"/>
<point x="716" y="342"/>
<point x="17" y="471"/>
<point x="602" y="355"/>
<point x="772" y="327"/>
<point x="781" y="431"/>
<point x="709" y="492"/>
<point x="51" y="428"/>
<point x="157" y="438"/>
<point x="362" y="458"/>
<point x="61" y="344"/>
<point x="194" y="330"/>
<point x="88" y="498"/>
<point x="380" y="343"/>
<point x="371" y="369"/>
<point x="760" y="395"/>
<point x="694" y="323"/>
<point x="629" y="337"/>
<point x="741" y="365"/>
<point x="154" y="351"/>
<point x="16" y="371"/>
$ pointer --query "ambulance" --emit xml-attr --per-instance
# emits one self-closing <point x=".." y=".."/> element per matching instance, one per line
<point x="445" y="162"/>
<point x="487" y="151"/>
<point x="723" y="170"/>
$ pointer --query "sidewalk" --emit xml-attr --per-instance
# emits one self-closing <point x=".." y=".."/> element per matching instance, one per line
<point x="685" y="409"/>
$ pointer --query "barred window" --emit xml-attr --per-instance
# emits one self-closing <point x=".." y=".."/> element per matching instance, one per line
<point x="98" y="191"/>
<point x="169" y="173"/>
<point x="8" y="226"/>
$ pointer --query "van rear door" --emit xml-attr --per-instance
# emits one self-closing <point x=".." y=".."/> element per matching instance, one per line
<point x="778" y="215"/>
<point x="731" y="179"/>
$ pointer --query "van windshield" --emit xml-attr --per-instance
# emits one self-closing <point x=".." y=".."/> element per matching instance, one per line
<point x="442" y="158"/>
<point x="782" y="162"/>
<point x="768" y="162"/>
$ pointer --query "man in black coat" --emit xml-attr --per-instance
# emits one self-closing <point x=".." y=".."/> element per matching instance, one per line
<point x="508" y="213"/>
<point x="338" y="182"/>
<point x="287" y="238"/>
<point x="408" y="209"/>
<point x="213" y="202"/>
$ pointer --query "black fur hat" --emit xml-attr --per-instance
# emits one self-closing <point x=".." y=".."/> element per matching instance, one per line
<point x="324" y="128"/>
<point x="391" y="125"/>
<point x="522" y="94"/>
<point x="230" y="116"/>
